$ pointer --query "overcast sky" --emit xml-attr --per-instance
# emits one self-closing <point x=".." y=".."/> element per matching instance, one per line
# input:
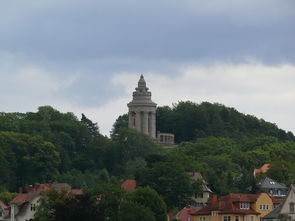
<point x="86" y="56"/>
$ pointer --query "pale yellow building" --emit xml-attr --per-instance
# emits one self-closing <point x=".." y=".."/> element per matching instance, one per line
<point x="236" y="207"/>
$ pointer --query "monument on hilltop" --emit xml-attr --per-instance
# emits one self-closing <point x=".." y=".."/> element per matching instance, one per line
<point x="142" y="115"/>
<point x="142" y="110"/>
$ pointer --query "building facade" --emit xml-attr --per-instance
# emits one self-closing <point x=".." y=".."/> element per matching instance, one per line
<point x="142" y="110"/>
<point x="235" y="207"/>
<point x="286" y="211"/>
<point x="272" y="187"/>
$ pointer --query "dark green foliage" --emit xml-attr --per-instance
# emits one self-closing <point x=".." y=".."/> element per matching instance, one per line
<point x="170" y="180"/>
<point x="121" y="122"/>
<point x="150" y="198"/>
<point x="6" y="197"/>
<point x="105" y="201"/>
<point x="190" y="121"/>
<point x="132" y="211"/>
<point x="129" y="147"/>
<point x="221" y="143"/>
<point x="26" y="159"/>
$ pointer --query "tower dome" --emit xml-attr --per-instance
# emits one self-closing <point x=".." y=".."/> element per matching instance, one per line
<point x="142" y="110"/>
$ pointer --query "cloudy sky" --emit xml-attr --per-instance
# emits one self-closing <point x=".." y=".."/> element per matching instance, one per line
<point x="86" y="56"/>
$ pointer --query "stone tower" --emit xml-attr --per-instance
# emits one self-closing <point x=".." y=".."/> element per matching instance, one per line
<point x="142" y="111"/>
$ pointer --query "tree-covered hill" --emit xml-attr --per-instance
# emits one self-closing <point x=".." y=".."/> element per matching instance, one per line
<point x="221" y="143"/>
<point x="190" y="121"/>
<point x="52" y="146"/>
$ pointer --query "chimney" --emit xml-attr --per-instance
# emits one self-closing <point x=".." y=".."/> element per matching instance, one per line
<point x="214" y="199"/>
<point x="30" y="188"/>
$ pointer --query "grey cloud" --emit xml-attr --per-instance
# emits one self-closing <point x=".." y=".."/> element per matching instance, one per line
<point x="97" y="39"/>
<point x="176" y="30"/>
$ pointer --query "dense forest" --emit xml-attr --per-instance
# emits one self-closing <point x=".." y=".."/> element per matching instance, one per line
<point x="220" y="142"/>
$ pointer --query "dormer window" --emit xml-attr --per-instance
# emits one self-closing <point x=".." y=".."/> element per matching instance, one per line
<point x="244" y="205"/>
<point x="272" y="182"/>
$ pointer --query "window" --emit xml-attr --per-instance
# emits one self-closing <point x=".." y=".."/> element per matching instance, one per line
<point x="237" y="218"/>
<point x="245" y="218"/>
<point x="214" y="213"/>
<point x="244" y="205"/>
<point x="263" y="207"/>
<point x="226" y="218"/>
<point x="252" y="218"/>
<point x="291" y="207"/>
<point x="33" y="207"/>
<point x="200" y="195"/>
<point x="202" y="218"/>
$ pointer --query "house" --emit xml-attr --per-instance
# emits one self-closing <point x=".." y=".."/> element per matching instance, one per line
<point x="201" y="199"/>
<point x="272" y="187"/>
<point x="185" y="213"/>
<point x="24" y="205"/>
<point x="4" y="211"/>
<point x="286" y="211"/>
<point x="235" y="207"/>
<point x="129" y="185"/>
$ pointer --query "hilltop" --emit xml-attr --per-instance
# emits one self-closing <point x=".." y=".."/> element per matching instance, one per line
<point x="218" y="141"/>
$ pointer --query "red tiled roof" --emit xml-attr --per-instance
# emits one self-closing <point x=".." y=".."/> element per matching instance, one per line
<point x="238" y="197"/>
<point x="23" y="197"/>
<point x="77" y="191"/>
<point x="275" y="200"/>
<point x="229" y="204"/>
<point x="129" y="185"/>
<point x="186" y="212"/>
<point x="38" y="188"/>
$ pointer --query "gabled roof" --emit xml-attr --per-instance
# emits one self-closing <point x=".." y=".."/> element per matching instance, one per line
<point x="5" y="208"/>
<point x="274" y="213"/>
<point x="24" y="197"/>
<point x="129" y="185"/>
<point x="38" y="188"/>
<point x="229" y="204"/>
<point x="268" y="183"/>
<point x="198" y="176"/>
<point x="186" y="212"/>
<point x="240" y="197"/>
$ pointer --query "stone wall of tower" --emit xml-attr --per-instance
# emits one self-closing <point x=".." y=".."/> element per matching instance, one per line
<point x="142" y="111"/>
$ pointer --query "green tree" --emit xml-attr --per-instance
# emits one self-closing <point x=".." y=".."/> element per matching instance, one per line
<point x="170" y="180"/>
<point x="132" y="211"/>
<point x="149" y="198"/>
<point x="121" y="122"/>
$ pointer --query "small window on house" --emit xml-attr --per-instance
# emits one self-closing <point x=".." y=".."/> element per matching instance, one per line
<point x="245" y="218"/>
<point x="33" y="207"/>
<point x="291" y="207"/>
<point x="214" y="213"/>
<point x="237" y="218"/>
<point x="263" y="207"/>
<point x="226" y="218"/>
<point x="252" y="218"/>
<point x="202" y="218"/>
<point x="244" y="205"/>
<point x="200" y="195"/>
